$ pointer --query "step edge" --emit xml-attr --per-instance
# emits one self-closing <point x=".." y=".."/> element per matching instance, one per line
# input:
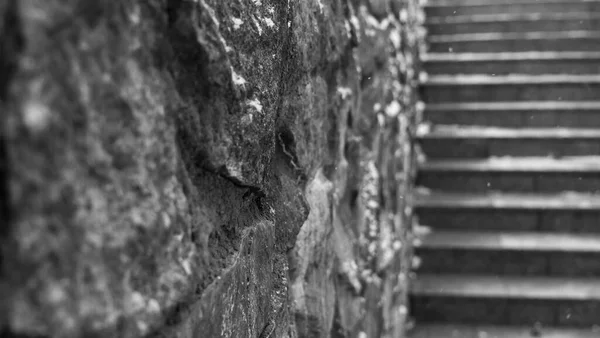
<point x="514" y="105"/>
<point x="507" y="201"/>
<point x="509" y="56"/>
<point x="445" y="4"/>
<point x="533" y="241"/>
<point x="510" y="17"/>
<point x="417" y="289"/>
<point x="489" y="37"/>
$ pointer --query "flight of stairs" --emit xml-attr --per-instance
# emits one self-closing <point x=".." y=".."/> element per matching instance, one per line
<point x="509" y="197"/>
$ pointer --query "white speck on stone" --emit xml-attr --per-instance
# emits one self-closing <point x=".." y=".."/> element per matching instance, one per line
<point x="257" y="26"/>
<point x="403" y="310"/>
<point x="362" y="335"/>
<point x="423" y="77"/>
<point x="237" y="23"/>
<point x="393" y="109"/>
<point x="142" y="327"/>
<point x="348" y="28"/>
<point x="396" y="38"/>
<point x="355" y="22"/>
<point x="321" y="7"/>
<point x="56" y="294"/>
<point x="255" y="104"/>
<point x="420" y="106"/>
<point x="344" y="92"/>
<point x="237" y="79"/>
<point x="416" y="262"/>
<point x="268" y="22"/>
<point x="403" y="15"/>
<point x="247" y="119"/>
<point x="377" y="107"/>
<point x="257" y="2"/>
<point x="137" y="301"/>
<point x="36" y="116"/>
<point x="166" y="220"/>
<point x="185" y="264"/>
<point x="153" y="306"/>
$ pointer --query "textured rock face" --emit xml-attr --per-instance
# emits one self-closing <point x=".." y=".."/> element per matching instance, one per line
<point x="206" y="168"/>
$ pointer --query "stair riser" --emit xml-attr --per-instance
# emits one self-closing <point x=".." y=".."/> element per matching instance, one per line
<point x="515" y="67"/>
<point x="509" y="263"/>
<point x="510" y="182"/>
<point x="516" y="8"/>
<point x="504" y="311"/>
<point x="518" y="45"/>
<point x="517" y="119"/>
<point x="510" y="220"/>
<point x="512" y="26"/>
<point x="477" y="148"/>
<point x="511" y="92"/>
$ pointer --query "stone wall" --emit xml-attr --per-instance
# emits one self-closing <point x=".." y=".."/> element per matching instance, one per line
<point x="206" y="168"/>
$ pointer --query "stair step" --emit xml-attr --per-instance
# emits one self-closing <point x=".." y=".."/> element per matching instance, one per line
<point x="503" y="219"/>
<point x="575" y="164"/>
<point x="515" y="42"/>
<point x="506" y="300"/>
<point x="516" y="114"/>
<point x="474" y="132"/>
<point x="512" y="241"/>
<point x="517" y="253"/>
<point x="518" y="22"/>
<point x="526" y="174"/>
<point x="443" y="141"/>
<point x="497" y="2"/>
<point x="513" y="63"/>
<point x="513" y="201"/>
<point x="462" y="8"/>
<point x="516" y="87"/>
<point x="488" y="331"/>
<point x="504" y="287"/>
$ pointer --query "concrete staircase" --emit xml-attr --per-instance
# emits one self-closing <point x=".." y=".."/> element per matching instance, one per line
<point x="510" y="189"/>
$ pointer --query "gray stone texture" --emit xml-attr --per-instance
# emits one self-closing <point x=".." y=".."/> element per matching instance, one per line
<point x="207" y="168"/>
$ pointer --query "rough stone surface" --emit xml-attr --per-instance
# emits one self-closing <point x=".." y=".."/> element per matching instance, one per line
<point x="207" y="168"/>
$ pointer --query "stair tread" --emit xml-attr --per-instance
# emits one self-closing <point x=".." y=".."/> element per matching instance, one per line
<point x="430" y="330"/>
<point x="510" y="17"/>
<point x="469" y="3"/>
<point x="574" y="164"/>
<point x="487" y="79"/>
<point x="509" y="56"/>
<point x="517" y="105"/>
<point x="581" y="34"/>
<point x="515" y="287"/>
<point x="479" y="132"/>
<point x="496" y="200"/>
<point x="513" y="241"/>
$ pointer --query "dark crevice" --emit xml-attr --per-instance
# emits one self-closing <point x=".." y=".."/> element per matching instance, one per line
<point x="12" y="43"/>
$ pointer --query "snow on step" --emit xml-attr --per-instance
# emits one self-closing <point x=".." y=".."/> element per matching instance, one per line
<point x="510" y="56"/>
<point x="484" y="79"/>
<point x="517" y="105"/>
<point x="452" y="3"/>
<point x="427" y="330"/>
<point x="475" y="132"/>
<point x="510" y="17"/>
<point x="515" y="287"/>
<point x="514" y="36"/>
<point x="513" y="201"/>
<point x="513" y="241"/>
<point x="578" y="164"/>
